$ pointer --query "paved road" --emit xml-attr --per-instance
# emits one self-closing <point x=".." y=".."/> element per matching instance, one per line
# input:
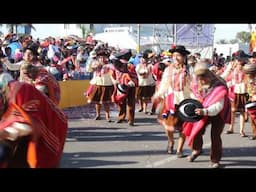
<point x="99" y="144"/>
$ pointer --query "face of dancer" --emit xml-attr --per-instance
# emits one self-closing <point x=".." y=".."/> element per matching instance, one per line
<point x="239" y="64"/>
<point x="178" y="58"/>
<point x="204" y="79"/>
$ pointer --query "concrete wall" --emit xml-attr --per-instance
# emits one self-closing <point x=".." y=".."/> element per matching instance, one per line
<point x="72" y="93"/>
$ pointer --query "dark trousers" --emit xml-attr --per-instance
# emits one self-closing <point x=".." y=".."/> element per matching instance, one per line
<point x="253" y="126"/>
<point x="128" y="106"/>
<point x="15" y="153"/>
<point x="217" y="126"/>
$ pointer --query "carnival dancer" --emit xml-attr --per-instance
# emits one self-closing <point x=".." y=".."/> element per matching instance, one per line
<point x="234" y="74"/>
<point x="146" y="87"/>
<point x="250" y="71"/>
<point x="212" y="92"/>
<point x="102" y="83"/>
<point x="32" y="128"/>
<point x="173" y="90"/>
<point x="157" y="71"/>
<point x="125" y="77"/>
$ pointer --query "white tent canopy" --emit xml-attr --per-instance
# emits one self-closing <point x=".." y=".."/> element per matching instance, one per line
<point x="122" y="40"/>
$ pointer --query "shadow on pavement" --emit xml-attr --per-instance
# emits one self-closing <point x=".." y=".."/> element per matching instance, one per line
<point x="83" y="159"/>
<point x="229" y="157"/>
<point x="74" y="162"/>
<point x="82" y="134"/>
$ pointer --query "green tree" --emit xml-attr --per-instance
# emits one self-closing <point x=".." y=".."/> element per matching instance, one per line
<point x="222" y="41"/>
<point x="243" y="37"/>
<point x="233" y="41"/>
<point x="85" y="30"/>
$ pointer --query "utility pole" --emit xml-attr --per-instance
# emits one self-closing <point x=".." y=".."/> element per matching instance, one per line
<point x="197" y="40"/>
<point x="154" y="34"/>
<point x="174" y="34"/>
<point x="154" y="43"/>
<point x="138" y="38"/>
<point x="199" y="28"/>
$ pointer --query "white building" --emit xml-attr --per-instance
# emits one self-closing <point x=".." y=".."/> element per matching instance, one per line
<point x="119" y="37"/>
<point x="228" y="49"/>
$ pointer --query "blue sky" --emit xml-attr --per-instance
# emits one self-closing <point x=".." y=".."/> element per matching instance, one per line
<point x="223" y="31"/>
<point x="228" y="31"/>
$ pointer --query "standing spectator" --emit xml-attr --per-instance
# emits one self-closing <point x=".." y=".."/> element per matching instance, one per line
<point x="4" y="76"/>
<point x="81" y="59"/>
<point x="197" y="56"/>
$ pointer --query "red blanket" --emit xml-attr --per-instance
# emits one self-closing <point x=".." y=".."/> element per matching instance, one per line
<point x="191" y="129"/>
<point x="49" y="124"/>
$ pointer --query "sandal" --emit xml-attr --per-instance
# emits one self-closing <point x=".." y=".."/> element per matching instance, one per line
<point x="109" y="120"/>
<point x="97" y="118"/>
<point x="180" y="155"/>
<point x="229" y="132"/>
<point x="243" y="135"/>
<point x="170" y="149"/>
<point x="215" y="165"/>
<point x="252" y="137"/>
<point x="192" y="157"/>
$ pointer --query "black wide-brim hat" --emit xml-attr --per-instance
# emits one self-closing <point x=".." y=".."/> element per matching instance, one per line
<point x="180" y="49"/>
<point x="186" y="110"/>
<point x="240" y="54"/>
<point x="124" y="54"/>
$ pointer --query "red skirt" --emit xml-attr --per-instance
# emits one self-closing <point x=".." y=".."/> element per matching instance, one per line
<point x="238" y="105"/>
<point x="101" y="94"/>
<point x="145" y="92"/>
